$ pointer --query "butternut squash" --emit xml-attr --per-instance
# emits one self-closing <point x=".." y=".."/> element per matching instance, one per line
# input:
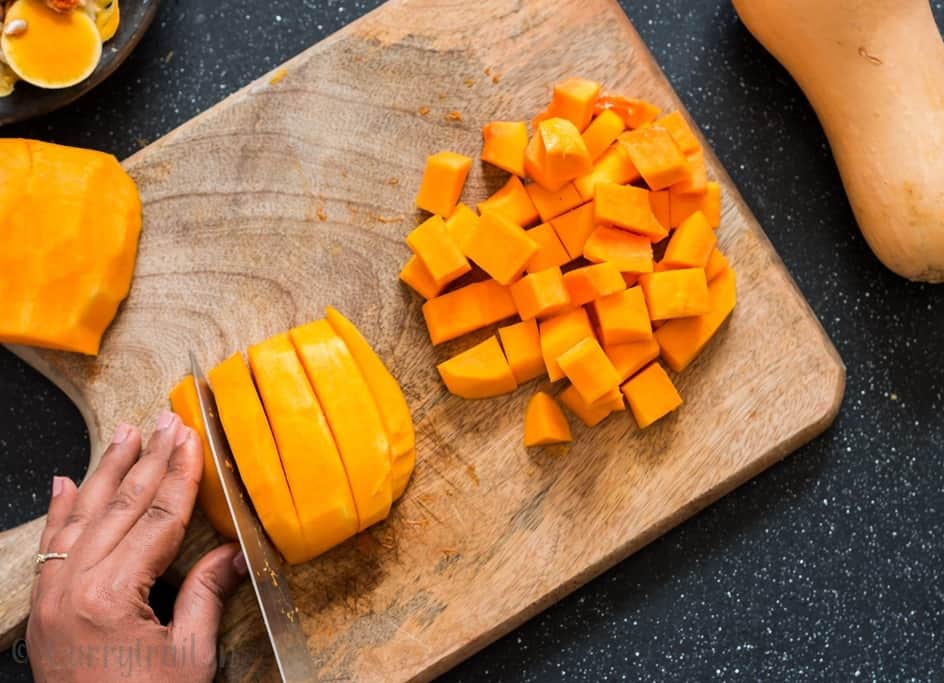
<point x="479" y="372"/>
<point x="589" y="369"/>
<point x="544" y="422"/>
<point x="540" y="294"/>
<point x="559" y="334"/>
<point x="500" y="247"/>
<point x="503" y="145"/>
<point x="550" y="251"/>
<point x="622" y="317"/>
<point x="651" y="395"/>
<point x="522" y="345"/>
<point x="442" y="183"/>
<point x="438" y="251"/>
<point x="874" y="72"/>
<point x="513" y="202"/>
<point x="467" y="309"/>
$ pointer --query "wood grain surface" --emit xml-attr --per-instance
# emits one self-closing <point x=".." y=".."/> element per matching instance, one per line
<point x="296" y="193"/>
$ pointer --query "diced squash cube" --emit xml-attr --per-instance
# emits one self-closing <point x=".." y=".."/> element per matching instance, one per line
<point x="592" y="282"/>
<point x="467" y="309"/>
<point x="553" y="204"/>
<point x="512" y="202"/>
<point x="503" y="145"/>
<point x="683" y="339"/>
<point x="630" y="253"/>
<point x="602" y="132"/>
<point x="550" y="251"/>
<point x="623" y="317"/>
<point x="461" y="224"/>
<point x="500" y="247"/>
<point x="626" y="207"/>
<point x="691" y="244"/>
<point x="614" y="167"/>
<point x="442" y="182"/>
<point x="635" y="113"/>
<point x="560" y="333"/>
<point x="565" y="155"/>
<point x="416" y="275"/>
<point x="479" y="372"/>
<point x="680" y="131"/>
<point x="522" y="345"/>
<point x="716" y="265"/>
<point x="612" y="400"/>
<point x="654" y="153"/>
<point x="589" y="369"/>
<point x="540" y="294"/>
<point x="535" y="162"/>
<point x="574" y="100"/>
<point x="681" y="205"/>
<point x="675" y="293"/>
<point x="697" y="181"/>
<point x="659" y="201"/>
<point x="591" y="414"/>
<point x="544" y="422"/>
<point x="573" y="228"/>
<point x="651" y="395"/>
<point x="628" y="359"/>
<point x="443" y="258"/>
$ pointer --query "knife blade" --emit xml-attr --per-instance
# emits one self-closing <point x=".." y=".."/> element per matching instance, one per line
<point x="279" y="613"/>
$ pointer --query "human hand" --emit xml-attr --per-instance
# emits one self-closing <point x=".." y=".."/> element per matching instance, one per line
<point x="90" y="619"/>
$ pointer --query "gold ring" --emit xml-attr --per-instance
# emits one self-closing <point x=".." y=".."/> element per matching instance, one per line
<point x="42" y="557"/>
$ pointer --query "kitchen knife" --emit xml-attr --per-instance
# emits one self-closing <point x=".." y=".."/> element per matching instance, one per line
<point x="265" y="565"/>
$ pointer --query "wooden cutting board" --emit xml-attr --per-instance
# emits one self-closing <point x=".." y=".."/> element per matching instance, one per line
<point x="296" y="193"/>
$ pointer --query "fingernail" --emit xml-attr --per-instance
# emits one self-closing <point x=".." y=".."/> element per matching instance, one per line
<point x="239" y="564"/>
<point x="165" y="419"/>
<point x="58" y="483"/>
<point x="183" y="433"/>
<point x="121" y="434"/>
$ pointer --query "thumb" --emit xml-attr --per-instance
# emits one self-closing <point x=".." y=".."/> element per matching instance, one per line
<point x="199" y="606"/>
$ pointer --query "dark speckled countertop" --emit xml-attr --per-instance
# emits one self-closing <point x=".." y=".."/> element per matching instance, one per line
<point x="829" y="566"/>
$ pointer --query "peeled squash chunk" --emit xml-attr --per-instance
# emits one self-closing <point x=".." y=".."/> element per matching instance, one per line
<point x="544" y="422"/>
<point x="307" y="449"/>
<point x="352" y="417"/>
<point x="57" y="49"/>
<point x="69" y="225"/>
<point x="210" y="496"/>
<point x="388" y="397"/>
<point x="479" y="372"/>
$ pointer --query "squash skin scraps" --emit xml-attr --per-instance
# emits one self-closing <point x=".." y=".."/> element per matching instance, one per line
<point x="69" y="249"/>
<point x="388" y="397"/>
<point x="352" y="417"/>
<point x="210" y="496"/>
<point x="479" y="372"/>
<point x="545" y="422"/>
<point x="257" y="456"/>
<point x="307" y="448"/>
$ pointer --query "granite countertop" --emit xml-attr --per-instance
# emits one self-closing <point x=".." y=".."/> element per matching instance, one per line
<point x="829" y="566"/>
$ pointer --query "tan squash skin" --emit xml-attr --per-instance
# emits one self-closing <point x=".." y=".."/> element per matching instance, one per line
<point x="874" y="72"/>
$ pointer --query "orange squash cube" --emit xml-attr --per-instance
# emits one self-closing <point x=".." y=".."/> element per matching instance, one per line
<point x="602" y="132"/>
<point x="682" y="205"/>
<point x="675" y="293"/>
<point x="614" y="166"/>
<point x="589" y="283"/>
<point x="565" y="155"/>
<point x="659" y="202"/>
<point x="500" y="247"/>
<point x="479" y="372"/>
<point x="651" y="395"/>
<point x="589" y="369"/>
<point x="629" y="358"/>
<point x="626" y="207"/>
<point x="591" y="414"/>
<point x="630" y="253"/>
<point x="513" y="202"/>
<point x="550" y="251"/>
<point x="503" y="145"/>
<point x="416" y="275"/>
<point x="573" y="228"/>
<point x="553" y="204"/>
<point x="540" y="294"/>
<point x="683" y="339"/>
<point x="467" y="309"/>
<point x="443" y="258"/>
<point x="442" y="182"/>
<point x="544" y="422"/>
<point x="574" y="100"/>
<point x="635" y="113"/>
<point x="654" y="152"/>
<point x="691" y="244"/>
<point x="560" y="333"/>
<point x="697" y="180"/>
<point x="680" y="131"/>
<point x="461" y="224"/>
<point x="716" y="265"/>
<point x="535" y="160"/>
<point x="623" y="317"/>
<point x="522" y="345"/>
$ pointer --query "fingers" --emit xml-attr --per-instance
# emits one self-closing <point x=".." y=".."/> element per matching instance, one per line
<point x="133" y="495"/>
<point x="99" y="487"/>
<point x="200" y="601"/>
<point x="63" y="497"/>
<point x="152" y="543"/>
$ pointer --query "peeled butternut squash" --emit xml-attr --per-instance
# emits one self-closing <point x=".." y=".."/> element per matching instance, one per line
<point x="874" y="72"/>
<point x="69" y="225"/>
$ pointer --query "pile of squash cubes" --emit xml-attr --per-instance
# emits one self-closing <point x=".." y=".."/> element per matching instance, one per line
<point x="602" y="243"/>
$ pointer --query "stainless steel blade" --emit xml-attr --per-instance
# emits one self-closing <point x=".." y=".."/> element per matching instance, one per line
<point x="265" y="565"/>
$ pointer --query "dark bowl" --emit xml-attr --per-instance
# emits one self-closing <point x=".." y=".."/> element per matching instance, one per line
<point x="28" y="101"/>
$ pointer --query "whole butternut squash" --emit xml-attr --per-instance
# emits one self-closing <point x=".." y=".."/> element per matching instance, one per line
<point x="874" y="72"/>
